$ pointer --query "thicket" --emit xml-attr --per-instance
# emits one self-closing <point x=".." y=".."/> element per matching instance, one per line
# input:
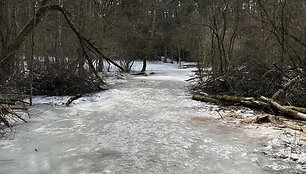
<point x="255" y="48"/>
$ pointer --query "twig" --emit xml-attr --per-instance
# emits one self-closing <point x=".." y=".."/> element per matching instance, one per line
<point x="220" y="115"/>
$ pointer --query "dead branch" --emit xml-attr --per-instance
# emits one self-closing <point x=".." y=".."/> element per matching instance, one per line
<point x="193" y="78"/>
<point x="91" y="64"/>
<point x="71" y="99"/>
<point x="286" y="86"/>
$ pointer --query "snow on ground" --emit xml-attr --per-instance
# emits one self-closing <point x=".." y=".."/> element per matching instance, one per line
<point x="284" y="145"/>
<point x="114" y="78"/>
<point x="173" y="72"/>
<point x="50" y="100"/>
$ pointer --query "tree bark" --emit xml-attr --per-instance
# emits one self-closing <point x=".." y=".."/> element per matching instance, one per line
<point x="285" y="110"/>
<point x="144" y="67"/>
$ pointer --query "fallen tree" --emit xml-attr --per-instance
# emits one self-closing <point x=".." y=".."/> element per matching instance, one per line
<point x="232" y="100"/>
<point x="300" y="109"/>
<point x="263" y="104"/>
<point x="10" y="106"/>
<point x="283" y="109"/>
<point x="7" y="113"/>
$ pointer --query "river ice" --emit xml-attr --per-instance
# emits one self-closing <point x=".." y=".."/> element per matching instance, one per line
<point x="141" y="125"/>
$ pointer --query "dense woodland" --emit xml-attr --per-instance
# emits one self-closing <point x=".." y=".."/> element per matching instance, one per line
<point x="242" y="47"/>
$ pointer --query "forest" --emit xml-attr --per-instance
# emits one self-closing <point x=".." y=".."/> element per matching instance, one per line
<point x="247" y="57"/>
<point x="253" y="47"/>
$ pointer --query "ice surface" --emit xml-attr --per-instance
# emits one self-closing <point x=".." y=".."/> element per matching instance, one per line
<point x="143" y="125"/>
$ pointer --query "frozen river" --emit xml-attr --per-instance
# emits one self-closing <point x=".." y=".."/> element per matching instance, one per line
<point x="142" y="125"/>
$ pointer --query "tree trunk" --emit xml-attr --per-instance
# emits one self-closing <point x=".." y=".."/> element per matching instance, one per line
<point x="265" y="104"/>
<point x="285" y="110"/>
<point x="144" y="66"/>
<point x="165" y="52"/>
<point x="232" y="100"/>
<point x="15" y="44"/>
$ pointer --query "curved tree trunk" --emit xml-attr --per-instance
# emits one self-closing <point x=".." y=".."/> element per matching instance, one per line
<point x="15" y="44"/>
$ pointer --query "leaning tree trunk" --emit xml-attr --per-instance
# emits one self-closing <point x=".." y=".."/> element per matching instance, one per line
<point x="15" y="44"/>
